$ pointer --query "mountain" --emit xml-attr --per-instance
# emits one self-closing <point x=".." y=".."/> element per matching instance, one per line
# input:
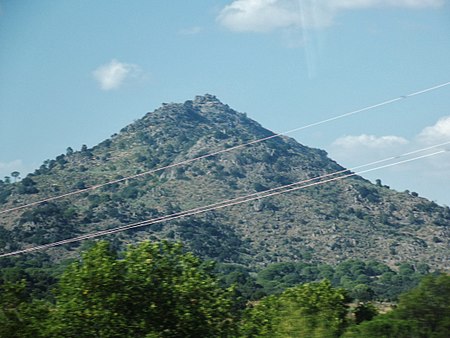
<point x="349" y="218"/>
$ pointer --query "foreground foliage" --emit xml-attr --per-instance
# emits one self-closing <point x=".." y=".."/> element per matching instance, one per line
<point x="423" y="312"/>
<point x="153" y="290"/>
<point x="158" y="290"/>
<point x="309" y="310"/>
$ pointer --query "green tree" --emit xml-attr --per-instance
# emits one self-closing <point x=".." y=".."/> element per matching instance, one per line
<point x="153" y="290"/>
<point x="364" y="311"/>
<point x="309" y="310"/>
<point x="423" y="312"/>
<point x="21" y="317"/>
<point x="383" y="327"/>
<point x="428" y="305"/>
<point x="362" y="292"/>
<point x="27" y="186"/>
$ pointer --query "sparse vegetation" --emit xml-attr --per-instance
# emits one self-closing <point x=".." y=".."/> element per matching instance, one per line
<point x="328" y="224"/>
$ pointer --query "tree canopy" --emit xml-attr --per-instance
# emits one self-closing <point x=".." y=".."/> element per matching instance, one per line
<point x="423" y="312"/>
<point x="154" y="289"/>
<point x="151" y="290"/>
<point x="309" y="310"/>
<point x="159" y="290"/>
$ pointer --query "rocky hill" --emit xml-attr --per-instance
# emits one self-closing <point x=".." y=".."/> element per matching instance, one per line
<point x="351" y="218"/>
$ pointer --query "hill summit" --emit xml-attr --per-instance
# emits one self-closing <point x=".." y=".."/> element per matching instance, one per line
<point x="350" y="218"/>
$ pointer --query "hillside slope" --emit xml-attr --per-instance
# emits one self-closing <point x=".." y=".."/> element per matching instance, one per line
<point x="351" y="218"/>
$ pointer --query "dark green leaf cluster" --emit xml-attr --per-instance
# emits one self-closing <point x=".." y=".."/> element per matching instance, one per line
<point x="46" y="223"/>
<point x="27" y="186"/>
<point x="153" y="289"/>
<point x="364" y="280"/>
<point x="310" y="310"/>
<point x="423" y="312"/>
<point x="211" y="241"/>
<point x="5" y="191"/>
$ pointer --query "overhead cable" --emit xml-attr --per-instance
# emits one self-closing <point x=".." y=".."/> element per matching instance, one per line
<point x="224" y="204"/>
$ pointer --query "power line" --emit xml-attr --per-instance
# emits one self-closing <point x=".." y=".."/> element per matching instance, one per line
<point x="227" y="203"/>
<point x="384" y="103"/>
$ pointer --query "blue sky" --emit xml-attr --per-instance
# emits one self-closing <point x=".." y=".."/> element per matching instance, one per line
<point x="75" y="72"/>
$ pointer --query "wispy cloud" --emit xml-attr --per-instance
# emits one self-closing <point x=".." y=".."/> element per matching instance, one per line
<point x="369" y="141"/>
<point x="352" y="146"/>
<point x="113" y="74"/>
<point x="439" y="132"/>
<point x="357" y="149"/>
<point x="429" y="176"/>
<point x="268" y="15"/>
<point x="259" y="15"/>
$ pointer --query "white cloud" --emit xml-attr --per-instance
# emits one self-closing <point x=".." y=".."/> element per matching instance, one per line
<point x="369" y="141"/>
<point x="438" y="167"/>
<point x="267" y="15"/>
<point x="439" y="132"/>
<point x="356" y="150"/>
<point x="255" y="15"/>
<point x="112" y="75"/>
<point x="434" y="172"/>
<point x="352" y="150"/>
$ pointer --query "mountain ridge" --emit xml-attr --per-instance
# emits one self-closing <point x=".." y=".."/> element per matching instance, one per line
<point x="352" y="218"/>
